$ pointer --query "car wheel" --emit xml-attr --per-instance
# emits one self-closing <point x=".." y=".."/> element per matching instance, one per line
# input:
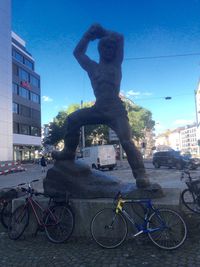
<point x="156" y="165"/>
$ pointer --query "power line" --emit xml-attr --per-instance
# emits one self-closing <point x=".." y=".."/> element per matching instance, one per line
<point x="158" y="97"/>
<point x="166" y="56"/>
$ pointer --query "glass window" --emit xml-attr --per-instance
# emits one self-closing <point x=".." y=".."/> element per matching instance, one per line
<point x="35" y="131"/>
<point x="15" y="88"/>
<point x="15" y="127"/>
<point x="34" y="97"/>
<point x="35" y="114"/>
<point x="29" y="64"/>
<point x="15" y="69"/>
<point x="17" y="56"/>
<point x="23" y="92"/>
<point x="34" y="81"/>
<point x="25" y="111"/>
<point x="24" y="129"/>
<point x="23" y="75"/>
<point x="15" y="108"/>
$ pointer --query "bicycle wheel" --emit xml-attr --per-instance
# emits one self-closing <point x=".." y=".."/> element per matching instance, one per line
<point x="190" y="200"/>
<point x="6" y="213"/>
<point x="59" y="223"/>
<point x="108" y="228"/>
<point x="171" y="229"/>
<point x="18" y="222"/>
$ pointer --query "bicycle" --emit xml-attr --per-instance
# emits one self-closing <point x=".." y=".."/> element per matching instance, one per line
<point x="165" y="227"/>
<point x="191" y="195"/>
<point x="57" y="220"/>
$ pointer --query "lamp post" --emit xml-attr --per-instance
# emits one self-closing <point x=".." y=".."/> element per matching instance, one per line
<point x="82" y="131"/>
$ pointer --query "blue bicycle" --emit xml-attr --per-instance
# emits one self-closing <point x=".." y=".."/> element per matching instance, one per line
<point x="165" y="227"/>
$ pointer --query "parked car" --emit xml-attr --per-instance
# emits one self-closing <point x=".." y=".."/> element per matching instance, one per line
<point x="173" y="159"/>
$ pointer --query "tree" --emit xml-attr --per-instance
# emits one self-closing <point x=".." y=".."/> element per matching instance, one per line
<point x="140" y="120"/>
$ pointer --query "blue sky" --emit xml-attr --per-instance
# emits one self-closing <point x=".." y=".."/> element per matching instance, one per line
<point x="51" y="30"/>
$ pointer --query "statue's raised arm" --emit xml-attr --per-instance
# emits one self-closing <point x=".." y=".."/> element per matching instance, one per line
<point x="96" y="31"/>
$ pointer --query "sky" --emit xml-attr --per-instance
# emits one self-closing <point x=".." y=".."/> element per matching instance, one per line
<point x="151" y="28"/>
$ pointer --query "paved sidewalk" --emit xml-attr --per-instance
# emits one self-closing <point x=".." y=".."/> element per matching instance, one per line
<point x="39" y="252"/>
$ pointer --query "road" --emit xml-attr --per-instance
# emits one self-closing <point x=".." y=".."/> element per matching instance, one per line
<point x="167" y="178"/>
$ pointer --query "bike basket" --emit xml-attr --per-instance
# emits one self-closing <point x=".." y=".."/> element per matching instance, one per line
<point x="194" y="186"/>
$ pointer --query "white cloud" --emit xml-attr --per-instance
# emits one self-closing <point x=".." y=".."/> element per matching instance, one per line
<point x="183" y="122"/>
<point x="136" y="94"/>
<point x="132" y="93"/>
<point x="47" y="98"/>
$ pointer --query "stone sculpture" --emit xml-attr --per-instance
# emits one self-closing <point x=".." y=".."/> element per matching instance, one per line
<point x="105" y="77"/>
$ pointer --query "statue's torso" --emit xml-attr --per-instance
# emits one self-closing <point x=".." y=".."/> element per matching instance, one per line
<point x="105" y="80"/>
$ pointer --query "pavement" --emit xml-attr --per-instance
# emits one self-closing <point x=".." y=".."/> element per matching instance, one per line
<point x="31" y="251"/>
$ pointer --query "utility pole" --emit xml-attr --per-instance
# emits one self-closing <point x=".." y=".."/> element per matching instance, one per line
<point x="82" y="131"/>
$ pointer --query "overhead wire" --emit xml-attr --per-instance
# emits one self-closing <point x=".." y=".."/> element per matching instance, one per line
<point x="163" y="56"/>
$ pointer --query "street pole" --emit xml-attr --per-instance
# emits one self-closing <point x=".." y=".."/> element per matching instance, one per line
<point x="82" y="131"/>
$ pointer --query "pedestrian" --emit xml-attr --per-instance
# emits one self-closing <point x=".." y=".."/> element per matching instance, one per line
<point x="43" y="163"/>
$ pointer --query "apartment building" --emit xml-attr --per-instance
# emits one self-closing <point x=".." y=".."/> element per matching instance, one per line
<point x="26" y="102"/>
<point x="182" y="139"/>
<point x="188" y="137"/>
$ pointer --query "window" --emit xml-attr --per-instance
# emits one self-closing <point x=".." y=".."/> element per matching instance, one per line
<point x="23" y="75"/>
<point x="34" y="97"/>
<point x="35" y="114"/>
<point x="24" y="129"/>
<point x="15" y="69"/>
<point x="15" y="88"/>
<point x="29" y="64"/>
<point x="23" y="92"/>
<point x="17" y="56"/>
<point x="25" y="111"/>
<point x="34" y="81"/>
<point x="15" y="127"/>
<point x="15" y="108"/>
<point x="35" y="131"/>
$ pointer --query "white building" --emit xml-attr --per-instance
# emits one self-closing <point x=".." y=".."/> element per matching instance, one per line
<point x="188" y="138"/>
<point x="182" y="139"/>
<point x="6" y="123"/>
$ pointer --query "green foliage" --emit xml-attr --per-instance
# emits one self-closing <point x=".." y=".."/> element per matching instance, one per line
<point x="140" y="120"/>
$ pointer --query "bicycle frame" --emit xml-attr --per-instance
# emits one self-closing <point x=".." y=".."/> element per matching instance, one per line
<point x="142" y="228"/>
<point x="35" y="204"/>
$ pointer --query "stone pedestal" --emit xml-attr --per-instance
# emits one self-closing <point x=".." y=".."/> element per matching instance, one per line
<point x="76" y="179"/>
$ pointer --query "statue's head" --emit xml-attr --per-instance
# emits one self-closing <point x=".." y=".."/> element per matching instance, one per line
<point x="107" y="48"/>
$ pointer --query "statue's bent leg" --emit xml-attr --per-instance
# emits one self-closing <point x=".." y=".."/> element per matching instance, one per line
<point x="122" y="128"/>
<point x="72" y="127"/>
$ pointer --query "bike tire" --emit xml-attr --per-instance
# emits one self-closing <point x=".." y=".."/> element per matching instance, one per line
<point x="173" y="230"/>
<point x="18" y="222"/>
<point x="59" y="223"/>
<point x="190" y="201"/>
<point x="108" y="228"/>
<point x="6" y="214"/>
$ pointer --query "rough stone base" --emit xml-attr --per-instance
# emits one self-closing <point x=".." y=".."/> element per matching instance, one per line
<point x="79" y="181"/>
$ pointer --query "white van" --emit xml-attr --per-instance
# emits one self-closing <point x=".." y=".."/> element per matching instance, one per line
<point x="99" y="157"/>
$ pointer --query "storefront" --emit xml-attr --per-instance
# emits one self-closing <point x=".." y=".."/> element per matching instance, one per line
<point x="25" y="153"/>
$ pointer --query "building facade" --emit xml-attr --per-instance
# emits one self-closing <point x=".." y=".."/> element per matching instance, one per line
<point x="26" y="102"/>
<point x="183" y="139"/>
<point x="6" y="134"/>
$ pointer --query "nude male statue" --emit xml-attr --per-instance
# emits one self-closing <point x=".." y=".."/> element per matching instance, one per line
<point x="108" y="109"/>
